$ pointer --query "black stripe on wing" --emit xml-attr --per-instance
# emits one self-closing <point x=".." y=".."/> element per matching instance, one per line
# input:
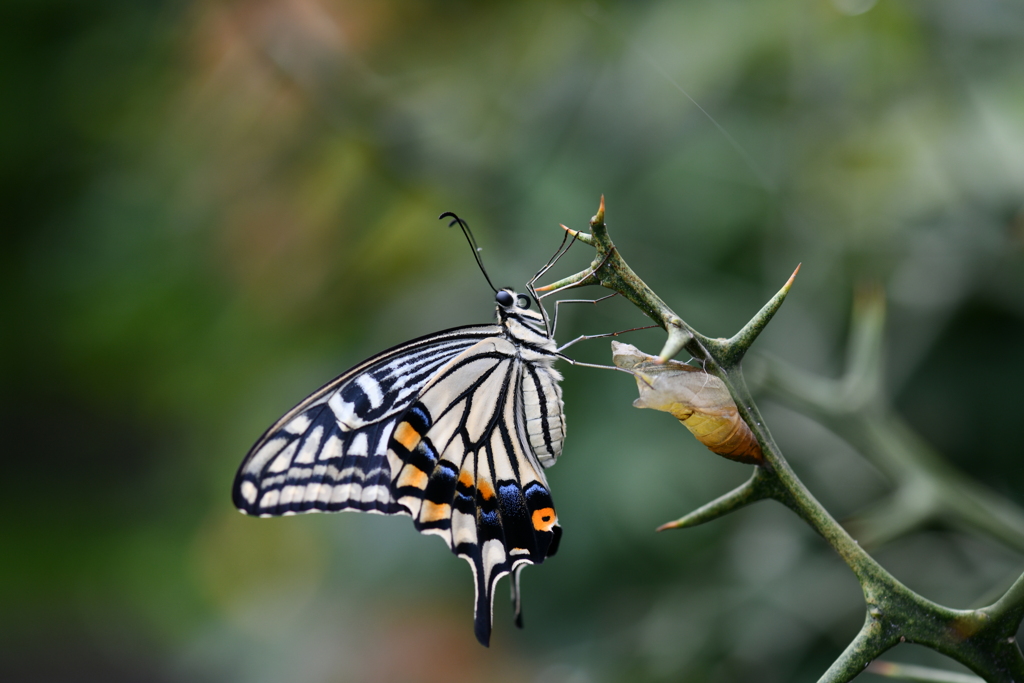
<point x="329" y="452"/>
<point x="483" y="493"/>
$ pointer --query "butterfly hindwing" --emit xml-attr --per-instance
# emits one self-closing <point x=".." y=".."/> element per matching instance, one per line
<point x="329" y="453"/>
<point x="465" y="470"/>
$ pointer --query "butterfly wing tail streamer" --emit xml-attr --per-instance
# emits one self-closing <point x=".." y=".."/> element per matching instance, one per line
<point x="522" y="531"/>
<point x="517" y="596"/>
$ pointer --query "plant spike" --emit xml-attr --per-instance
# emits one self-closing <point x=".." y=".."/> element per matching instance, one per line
<point x="735" y="348"/>
<point x="758" y="487"/>
<point x="856" y="407"/>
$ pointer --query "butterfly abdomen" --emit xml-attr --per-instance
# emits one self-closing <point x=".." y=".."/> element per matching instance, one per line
<point x="542" y="411"/>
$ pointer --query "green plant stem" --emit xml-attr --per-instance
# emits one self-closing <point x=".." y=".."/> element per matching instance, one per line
<point x="856" y="408"/>
<point x="868" y="644"/>
<point x="981" y="639"/>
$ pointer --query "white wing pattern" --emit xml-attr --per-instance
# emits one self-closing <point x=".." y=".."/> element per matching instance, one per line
<point x="453" y="429"/>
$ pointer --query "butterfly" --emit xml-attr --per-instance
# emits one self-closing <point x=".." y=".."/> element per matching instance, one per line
<point x="453" y="429"/>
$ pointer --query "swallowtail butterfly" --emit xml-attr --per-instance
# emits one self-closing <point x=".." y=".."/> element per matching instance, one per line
<point x="454" y="429"/>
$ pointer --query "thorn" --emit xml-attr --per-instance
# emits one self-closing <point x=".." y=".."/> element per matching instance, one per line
<point x="789" y="282"/>
<point x="586" y="238"/>
<point x="741" y="341"/>
<point x="749" y="492"/>
<point x="677" y="339"/>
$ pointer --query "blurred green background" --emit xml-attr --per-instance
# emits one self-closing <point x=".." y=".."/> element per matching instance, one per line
<point x="213" y="207"/>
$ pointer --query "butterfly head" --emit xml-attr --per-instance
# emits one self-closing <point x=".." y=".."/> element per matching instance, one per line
<point x="511" y="303"/>
<point x="514" y="312"/>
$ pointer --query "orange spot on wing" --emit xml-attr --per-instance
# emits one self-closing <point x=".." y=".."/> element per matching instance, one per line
<point x="433" y="512"/>
<point x="485" y="489"/>
<point x="406" y="435"/>
<point x="466" y="479"/>
<point x="412" y="476"/>
<point x="544" y="519"/>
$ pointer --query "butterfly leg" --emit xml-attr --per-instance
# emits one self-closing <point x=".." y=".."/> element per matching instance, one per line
<point x="540" y="298"/>
<point x="584" y="337"/>
<point x="554" y="322"/>
<point x="559" y="253"/>
<point x="573" y="361"/>
<point x="530" y="286"/>
<point x="591" y="272"/>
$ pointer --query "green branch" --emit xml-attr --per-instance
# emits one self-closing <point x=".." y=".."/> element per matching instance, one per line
<point x="868" y="644"/>
<point x="857" y="408"/>
<point x="982" y="639"/>
<point x="758" y="487"/>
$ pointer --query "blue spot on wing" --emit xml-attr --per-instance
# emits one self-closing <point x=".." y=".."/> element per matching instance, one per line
<point x="511" y="500"/>
<point x="489" y="519"/>
<point x="426" y="447"/>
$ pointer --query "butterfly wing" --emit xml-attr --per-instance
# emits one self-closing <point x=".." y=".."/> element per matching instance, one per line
<point x="465" y="470"/>
<point x="329" y="452"/>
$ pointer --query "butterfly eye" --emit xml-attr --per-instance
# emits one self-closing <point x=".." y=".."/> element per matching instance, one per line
<point x="524" y="301"/>
<point x="504" y="298"/>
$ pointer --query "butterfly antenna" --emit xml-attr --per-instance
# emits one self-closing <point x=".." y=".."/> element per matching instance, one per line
<point x="472" y="243"/>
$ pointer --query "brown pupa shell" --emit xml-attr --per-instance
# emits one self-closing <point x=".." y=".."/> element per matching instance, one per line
<point x="697" y="399"/>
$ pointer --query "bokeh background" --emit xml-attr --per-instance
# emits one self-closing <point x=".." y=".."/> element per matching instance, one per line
<point x="212" y="207"/>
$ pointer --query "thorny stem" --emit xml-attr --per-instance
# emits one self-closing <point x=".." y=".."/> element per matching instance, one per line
<point x="982" y="639"/>
<point x="857" y="409"/>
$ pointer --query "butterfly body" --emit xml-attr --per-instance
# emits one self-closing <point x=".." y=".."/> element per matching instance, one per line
<point x="453" y="429"/>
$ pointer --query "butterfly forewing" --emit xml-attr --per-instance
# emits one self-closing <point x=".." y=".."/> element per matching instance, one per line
<point x="329" y="452"/>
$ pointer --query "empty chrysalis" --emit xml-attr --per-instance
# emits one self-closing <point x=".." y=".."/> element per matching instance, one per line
<point x="696" y="398"/>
